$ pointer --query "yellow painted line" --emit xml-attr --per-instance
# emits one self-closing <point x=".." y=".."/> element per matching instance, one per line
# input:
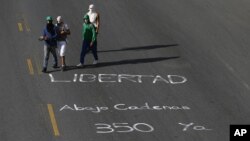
<point x="25" y="23"/>
<point x="30" y="66"/>
<point x="27" y="26"/>
<point x="53" y="120"/>
<point x="20" y="27"/>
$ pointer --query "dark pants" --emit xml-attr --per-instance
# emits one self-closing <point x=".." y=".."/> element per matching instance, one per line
<point x="47" y="51"/>
<point x="86" y="48"/>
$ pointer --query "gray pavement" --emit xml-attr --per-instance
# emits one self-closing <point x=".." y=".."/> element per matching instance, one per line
<point x="168" y="70"/>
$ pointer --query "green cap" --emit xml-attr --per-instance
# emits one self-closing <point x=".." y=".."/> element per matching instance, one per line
<point x="86" y="17"/>
<point x="49" y="18"/>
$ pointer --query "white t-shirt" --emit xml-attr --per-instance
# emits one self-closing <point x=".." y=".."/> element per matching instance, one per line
<point x="93" y="17"/>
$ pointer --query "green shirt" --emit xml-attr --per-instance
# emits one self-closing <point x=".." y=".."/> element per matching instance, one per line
<point x="88" y="32"/>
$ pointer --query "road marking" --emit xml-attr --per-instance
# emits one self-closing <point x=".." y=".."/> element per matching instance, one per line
<point x="27" y="26"/>
<point x="25" y="23"/>
<point x="30" y="66"/>
<point x="53" y="120"/>
<point x="20" y="27"/>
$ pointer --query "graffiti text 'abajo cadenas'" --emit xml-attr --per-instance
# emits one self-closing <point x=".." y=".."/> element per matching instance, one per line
<point x="120" y="78"/>
<point x="124" y="107"/>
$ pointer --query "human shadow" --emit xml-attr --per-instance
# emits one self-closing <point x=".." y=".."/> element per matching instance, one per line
<point x="122" y="62"/>
<point x="138" y="48"/>
<point x="125" y="62"/>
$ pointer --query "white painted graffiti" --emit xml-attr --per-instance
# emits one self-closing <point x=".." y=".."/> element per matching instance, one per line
<point x="105" y="128"/>
<point x="147" y="107"/>
<point x="94" y="109"/>
<point x="119" y="78"/>
<point x="123" y="107"/>
<point x="197" y="128"/>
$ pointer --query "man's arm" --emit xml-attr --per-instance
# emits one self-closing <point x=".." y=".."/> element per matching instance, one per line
<point x="83" y="30"/>
<point x="97" y="22"/>
<point x="43" y="37"/>
<point x="93" y="35"/>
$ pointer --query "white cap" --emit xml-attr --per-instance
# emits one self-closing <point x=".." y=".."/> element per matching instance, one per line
<point x="91" y="6"/>
<point x="59" y="19"/>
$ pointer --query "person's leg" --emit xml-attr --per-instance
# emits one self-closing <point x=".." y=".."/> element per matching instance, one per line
<point x="94" y="52"/>
<point x="53" y="52"/>
<point x="63" y="61"/>
<point x="62" y="52"/>
<point x="59" y="48"/>
<point x="45" y="58"/>
<point x="85" y="46"/>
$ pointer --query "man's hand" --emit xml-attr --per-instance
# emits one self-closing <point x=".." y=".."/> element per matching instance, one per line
<point x="62" y="32"/>
<point x="41" y="38"/>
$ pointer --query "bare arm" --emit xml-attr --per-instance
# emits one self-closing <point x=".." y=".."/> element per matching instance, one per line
<point x="97" y="22"/>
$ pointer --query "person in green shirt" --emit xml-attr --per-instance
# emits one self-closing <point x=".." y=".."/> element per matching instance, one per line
<point x="89" y="41"/>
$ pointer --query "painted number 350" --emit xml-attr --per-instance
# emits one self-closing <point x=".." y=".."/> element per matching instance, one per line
<point x="123" y="128"/>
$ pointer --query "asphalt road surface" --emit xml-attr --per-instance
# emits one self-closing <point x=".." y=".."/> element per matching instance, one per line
<point x="169" y="70"/>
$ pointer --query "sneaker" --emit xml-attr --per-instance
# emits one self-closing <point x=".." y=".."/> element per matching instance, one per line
<point x="44" y="70"/>
<point x="95" y="62"/>
<point x="79" y="65"/>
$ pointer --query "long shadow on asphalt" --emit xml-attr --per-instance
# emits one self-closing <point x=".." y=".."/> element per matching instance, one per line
<point x="125" y="62"/>
<point x="139" y="48"/>
<point x="122" y="62"/>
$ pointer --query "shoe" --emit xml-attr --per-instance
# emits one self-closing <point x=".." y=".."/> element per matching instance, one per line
<point x="80" y="65"/>
<point x="95" y="62"/>
<point x="44" y="70"/>
<point x="55" y="66"/>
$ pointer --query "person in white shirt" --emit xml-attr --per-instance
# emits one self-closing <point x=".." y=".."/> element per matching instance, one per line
<point x="95" y="20"/>
<point x="63" y="31"/>
<point x="94" y="17"/>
